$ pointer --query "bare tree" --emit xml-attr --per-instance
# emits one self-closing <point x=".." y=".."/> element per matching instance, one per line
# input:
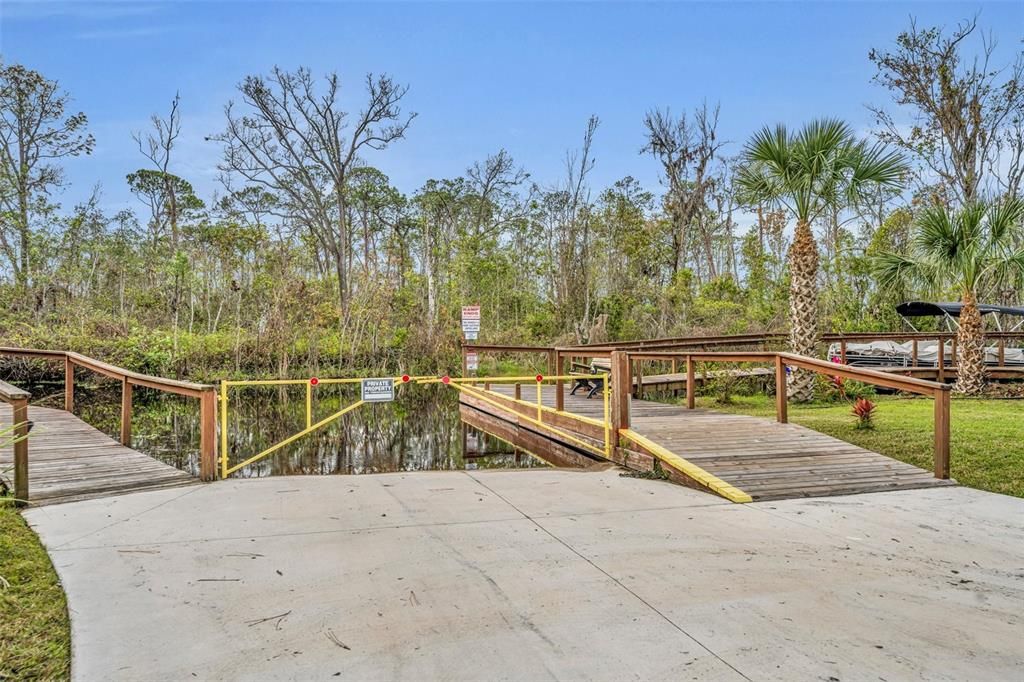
<point x="493" y="184"/>
<point x="299" y="144"/>
<point x="966" y="116"/>
<point x="34" y="134"/>
<point x="567" y="217"/>
<point x="686" y="149"/>
<point x="156" y="146"/>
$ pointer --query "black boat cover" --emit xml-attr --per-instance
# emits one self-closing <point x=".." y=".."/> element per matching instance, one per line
<point x="924" y="309"/>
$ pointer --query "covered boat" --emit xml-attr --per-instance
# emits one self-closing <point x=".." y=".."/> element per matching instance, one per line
<point x="883" y="354"/>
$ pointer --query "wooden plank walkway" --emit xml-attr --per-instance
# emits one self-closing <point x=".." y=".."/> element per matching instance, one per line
<point x="677" y="380"/>
<point x="761" y="457"/>
<point x="70" y="460"/>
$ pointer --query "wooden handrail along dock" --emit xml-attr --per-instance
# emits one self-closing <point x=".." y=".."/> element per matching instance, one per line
<point x="742" y="458"/>
<point x="205" y="393"/>
<point x="731" y="454"/>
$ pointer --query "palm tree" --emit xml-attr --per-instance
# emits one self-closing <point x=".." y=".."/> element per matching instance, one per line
<point x="822" y="167"/>
<point x="969" y="251"/>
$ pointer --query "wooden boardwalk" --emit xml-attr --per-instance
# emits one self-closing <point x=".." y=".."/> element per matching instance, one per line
<point x="677" y="380"/>
<point x="70" y="460"/>
<point x="763" y="458"/>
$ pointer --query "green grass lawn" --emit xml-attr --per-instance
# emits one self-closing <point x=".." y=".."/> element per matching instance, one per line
<point x="987" y="448"/>
<point x="35" y="636"/>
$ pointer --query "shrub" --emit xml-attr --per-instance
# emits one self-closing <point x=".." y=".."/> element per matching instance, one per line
<point x="864" y="410"/>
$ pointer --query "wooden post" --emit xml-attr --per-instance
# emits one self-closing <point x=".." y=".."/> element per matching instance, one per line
<point x="781" y="392"/>
<point x="559" y="385"/>
<point x="913" y="353"/>
<point x="638" y="392"/>
<point x="675" y="370"/>
<point x="552" y="361"/>
<point x="942" y="360"/>
<point x="465" y="371"/>
<point x="691" y="384"/>
<point x="942" y="433"/>
<point x="621" y="385"/>
<point x="519" y="391"/>
<point x="126" y="413"/>
<point x="1002" y="351"/>
<point x="69" y="384"/>
<point x="952" y="358"/>
<point x="20" y="408"/>
<point x="842" y="351"/>
<point x="208" y="435"/>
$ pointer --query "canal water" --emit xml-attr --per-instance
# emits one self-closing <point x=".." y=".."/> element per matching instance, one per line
<point x="419" y="431"/>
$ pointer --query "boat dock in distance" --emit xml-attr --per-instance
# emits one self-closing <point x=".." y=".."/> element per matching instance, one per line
<point x="741" y="458"/>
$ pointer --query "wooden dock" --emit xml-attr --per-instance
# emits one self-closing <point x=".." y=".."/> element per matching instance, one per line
<point x="765" y="459"/>
<point x="70" y="460"/>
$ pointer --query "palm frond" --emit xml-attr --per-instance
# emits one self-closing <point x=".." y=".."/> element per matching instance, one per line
<point x="756" y="185"/>
<point x="771" y="147"/>
<point x="1008" y="268"/>
<point x="893" y="270"/>
<point x="937" y="235"/>
<point x="1006" y="221"/>
<point x="874" y="165"/>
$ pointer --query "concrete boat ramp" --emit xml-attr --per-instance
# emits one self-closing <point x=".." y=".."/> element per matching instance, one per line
<point x="530" y="575"/>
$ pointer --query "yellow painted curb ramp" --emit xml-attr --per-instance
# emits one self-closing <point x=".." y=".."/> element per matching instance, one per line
<point x="691" y="470"/>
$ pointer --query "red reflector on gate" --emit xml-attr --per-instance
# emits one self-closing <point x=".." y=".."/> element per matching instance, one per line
<point x="445" y="379"/>
<point x="314" y="381"/>
<point x="540" y="377"/>
<point x="405" y="378"/>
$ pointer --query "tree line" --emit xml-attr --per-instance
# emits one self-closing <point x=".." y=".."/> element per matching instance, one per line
<point x="307" y="257"/>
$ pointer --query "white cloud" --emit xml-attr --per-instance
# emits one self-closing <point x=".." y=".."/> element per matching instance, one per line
<point x="121" y="33"/>
<point x="42" y="9"/>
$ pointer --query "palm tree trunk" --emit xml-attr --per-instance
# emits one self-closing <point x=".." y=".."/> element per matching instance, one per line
<point x="970" y="359"/>
<point x="803" y="307"/>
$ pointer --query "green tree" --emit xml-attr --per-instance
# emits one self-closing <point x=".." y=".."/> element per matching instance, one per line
<point x="823" y="166"/>
<point x="35" y="131"/>
<point x="969" y="251"/>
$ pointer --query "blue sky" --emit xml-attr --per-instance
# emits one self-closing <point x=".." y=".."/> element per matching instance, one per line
<point x="482" y="75"/>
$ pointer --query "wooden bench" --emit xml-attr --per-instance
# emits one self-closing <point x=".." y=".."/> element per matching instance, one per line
<point x="590" y="383"/>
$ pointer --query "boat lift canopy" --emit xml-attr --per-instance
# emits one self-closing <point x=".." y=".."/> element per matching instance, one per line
<point x="952" y="310"/>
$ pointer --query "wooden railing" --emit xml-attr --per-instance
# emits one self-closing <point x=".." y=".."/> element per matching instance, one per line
<point x="676" y="342"/>
<point x="558" y="357"/>
<point x="18" y="400"/>
<point x="622" y="384"/>
<point x="561" y="360"/>
<point x="206" y="394"/>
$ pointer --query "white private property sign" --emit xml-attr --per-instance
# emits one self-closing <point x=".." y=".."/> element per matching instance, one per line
<point x="472" y="361"/>
<point x="378" y="390"/>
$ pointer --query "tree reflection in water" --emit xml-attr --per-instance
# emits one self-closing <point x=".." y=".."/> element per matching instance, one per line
<point x="419" y="431"/>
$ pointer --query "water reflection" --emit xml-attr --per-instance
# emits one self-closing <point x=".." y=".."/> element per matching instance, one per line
<point x="420" y="431"/>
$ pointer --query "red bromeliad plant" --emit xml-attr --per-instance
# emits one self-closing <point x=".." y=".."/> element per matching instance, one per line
<point x="837" y="382"/>
<point x="864" y="410"/>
